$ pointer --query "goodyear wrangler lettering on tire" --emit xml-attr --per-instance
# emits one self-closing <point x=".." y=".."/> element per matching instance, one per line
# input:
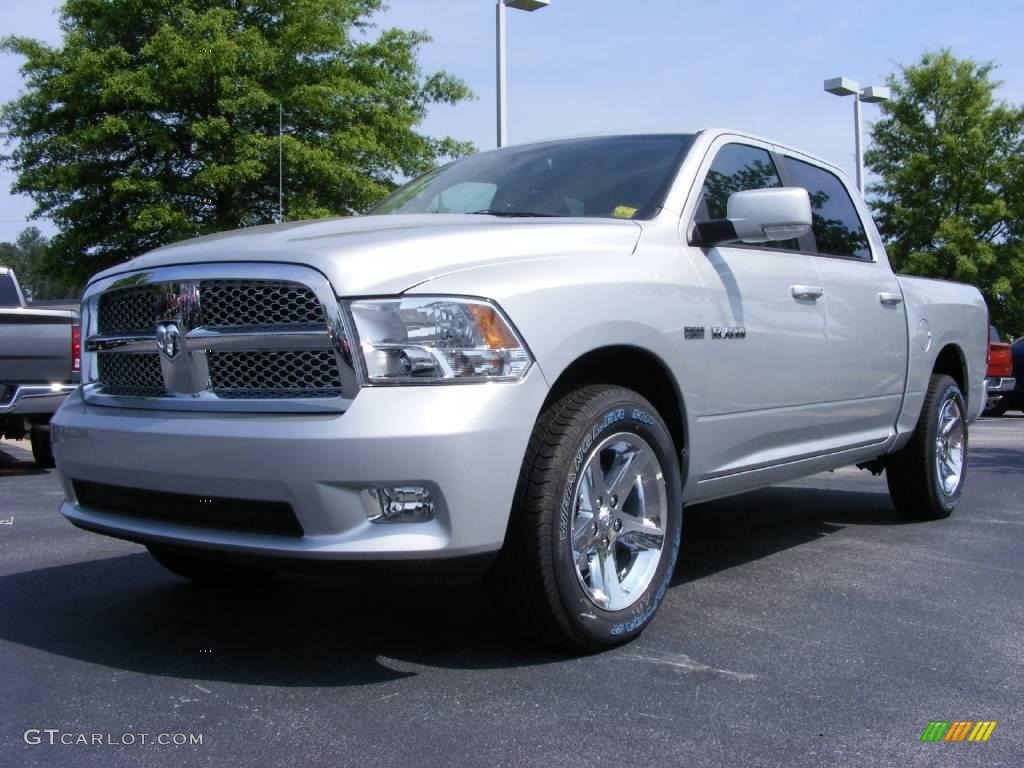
<point x="595" y="530"/>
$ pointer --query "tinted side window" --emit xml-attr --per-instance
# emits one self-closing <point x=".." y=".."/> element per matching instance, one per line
<point x="837" y="227"/>
<point x="738" y="167"/>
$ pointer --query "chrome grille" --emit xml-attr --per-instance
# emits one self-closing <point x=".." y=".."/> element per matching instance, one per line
<point x="122" y="373"/>
<point x="127" y="310"/>
<point x="218" y="337"/>
<point x="275" y="374"/>
<point x="244" y="303"/>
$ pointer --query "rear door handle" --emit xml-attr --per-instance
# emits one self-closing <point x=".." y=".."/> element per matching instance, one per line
<point x="890" y="299"/>
<point x="807" y="291"/>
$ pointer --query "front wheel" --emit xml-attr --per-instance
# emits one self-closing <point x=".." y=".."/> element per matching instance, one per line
<point x="926" y="477"/>
<point x="596" y="521"/>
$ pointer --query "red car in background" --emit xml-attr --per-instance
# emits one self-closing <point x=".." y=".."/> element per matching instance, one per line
<point x="999" y="376"/>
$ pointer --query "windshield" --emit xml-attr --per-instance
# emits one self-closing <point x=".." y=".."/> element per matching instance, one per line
<point x="610" y="177"/>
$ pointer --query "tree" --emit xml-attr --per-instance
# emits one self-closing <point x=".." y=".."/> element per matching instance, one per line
<point x="27" y="256"/>
<point x="157" y="120"/>
<point x="950" y="202"/>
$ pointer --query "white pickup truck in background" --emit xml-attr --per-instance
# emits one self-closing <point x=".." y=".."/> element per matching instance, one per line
<point x="533" y="356"/>
<point x="39" y="366"/>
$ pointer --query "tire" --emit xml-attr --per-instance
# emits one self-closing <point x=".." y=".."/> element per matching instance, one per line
<point x="205" y="568"/>
<point x="919" y="488"/>
<point x="566" y="499"/>
<point x="42" y="449"/>
<point x="1001" y="407"/>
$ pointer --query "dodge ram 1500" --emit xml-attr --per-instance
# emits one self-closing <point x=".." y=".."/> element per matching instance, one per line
<point x="535" y="356"/>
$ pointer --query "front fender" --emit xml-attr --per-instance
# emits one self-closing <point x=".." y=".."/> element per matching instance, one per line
<point x="566" y="307"/>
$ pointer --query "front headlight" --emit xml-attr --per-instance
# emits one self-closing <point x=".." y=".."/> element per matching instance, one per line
<point x="431" y="339"/>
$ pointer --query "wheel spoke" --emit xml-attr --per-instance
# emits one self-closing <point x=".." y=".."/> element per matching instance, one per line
<point x="583" y="531"/>
<point x="593" y="486"/>
<point x="951" y="425"/>
<point x="623" y="473"/>
<point x="951" y="464"/>
<point x="609" y="575"/>
<point x="638" y="534"/>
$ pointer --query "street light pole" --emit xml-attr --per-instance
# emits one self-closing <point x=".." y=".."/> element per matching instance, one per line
<point x="844" y="86"/>
<point x="280" y="163"/>
<point x="502" y="78"/>
<point x="858" y="140"/>
<point x="522" y="5"/>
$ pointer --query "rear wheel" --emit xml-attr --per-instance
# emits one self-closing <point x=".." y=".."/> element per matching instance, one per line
<point x="595" y="526"/>
<point x="926" y="477"/>
<point x="42" y="450"/>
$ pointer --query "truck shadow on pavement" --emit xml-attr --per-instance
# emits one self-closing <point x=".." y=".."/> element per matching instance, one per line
<point x="11" y="464"/>
<point x="1004" y="461"/>
<point x="730" y="532"/>
<point x="127" y="613"/>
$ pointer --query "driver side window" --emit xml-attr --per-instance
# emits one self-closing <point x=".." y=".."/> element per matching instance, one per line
<point x="736" y="168"/>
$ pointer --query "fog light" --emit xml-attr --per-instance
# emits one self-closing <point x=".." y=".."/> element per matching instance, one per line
<point x="408" y="504"/>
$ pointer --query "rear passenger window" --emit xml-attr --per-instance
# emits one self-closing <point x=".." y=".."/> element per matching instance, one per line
<point x="837" y="227"/>
<point x="738" y="167"/>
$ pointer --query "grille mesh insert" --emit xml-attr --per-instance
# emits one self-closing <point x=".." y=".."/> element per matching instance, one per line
<point x="123" y="373"/>
<point x="275" y="374"/>
<point x="243" y="303"/>
<point x="127" y="309"/>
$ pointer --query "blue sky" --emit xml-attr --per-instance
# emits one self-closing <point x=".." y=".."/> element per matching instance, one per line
<point x="602" y="65"/>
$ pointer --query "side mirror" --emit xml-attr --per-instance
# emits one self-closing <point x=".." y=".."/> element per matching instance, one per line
<point x="759" y="216"/>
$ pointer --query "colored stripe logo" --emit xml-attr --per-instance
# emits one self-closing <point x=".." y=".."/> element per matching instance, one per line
<point x="958" y="730"/>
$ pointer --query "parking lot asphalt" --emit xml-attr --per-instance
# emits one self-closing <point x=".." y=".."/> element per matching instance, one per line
<point x="807" y="625"/>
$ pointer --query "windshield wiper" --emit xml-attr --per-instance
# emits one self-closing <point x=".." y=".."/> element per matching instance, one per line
<point x="512" y="214"/>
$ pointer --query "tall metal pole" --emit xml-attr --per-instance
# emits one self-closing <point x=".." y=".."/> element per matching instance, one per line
<point x="280" y="163"/>
<point x="858" y="139"/>
<point x="502" y="82"/>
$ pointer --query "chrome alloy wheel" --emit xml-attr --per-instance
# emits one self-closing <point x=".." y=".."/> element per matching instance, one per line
<point x="619" y="518"/>
<point x="949" y="447"/>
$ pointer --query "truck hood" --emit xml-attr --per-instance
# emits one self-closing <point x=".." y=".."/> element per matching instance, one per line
<point x="366" y="255"/>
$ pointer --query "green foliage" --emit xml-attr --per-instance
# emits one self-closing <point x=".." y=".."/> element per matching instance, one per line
<point x="157" y="120"/>
<point x="27" y="256"/>
<point x="950" y="203"/>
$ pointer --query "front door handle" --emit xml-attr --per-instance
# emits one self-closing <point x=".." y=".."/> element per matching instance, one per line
<point x="811" y="292"/>
<point x="890" y="299"/>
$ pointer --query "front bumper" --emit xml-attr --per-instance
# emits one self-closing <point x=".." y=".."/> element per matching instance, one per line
<point x="464" y="442"/>
<point x="33" y="398"/>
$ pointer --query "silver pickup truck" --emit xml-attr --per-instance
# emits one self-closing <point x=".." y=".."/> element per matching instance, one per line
<point x="534" y="357"/>
<point x="39" y="366"/>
